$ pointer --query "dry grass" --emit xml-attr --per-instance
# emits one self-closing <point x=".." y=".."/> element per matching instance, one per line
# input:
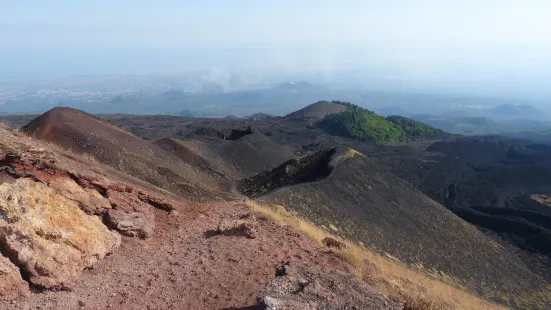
<point x="541" y="198"/>
<point x="420" y="303"/>
<point x="351" y="153"/>
<point x="415" y="289"/>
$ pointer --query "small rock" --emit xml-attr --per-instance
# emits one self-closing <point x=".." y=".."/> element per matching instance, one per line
<point x="237" y="227"/>
<point x="331" y="242"/>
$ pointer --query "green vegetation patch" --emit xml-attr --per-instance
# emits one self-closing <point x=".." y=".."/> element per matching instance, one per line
<point x="364" y="125"/>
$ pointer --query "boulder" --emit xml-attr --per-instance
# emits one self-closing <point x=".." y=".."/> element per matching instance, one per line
<point x="11" y="285"/>
<point x="48" y="236"/>
<point x="132" y="224"/>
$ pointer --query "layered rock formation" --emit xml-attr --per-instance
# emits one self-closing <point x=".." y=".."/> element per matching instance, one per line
<point x="48" y="236"/>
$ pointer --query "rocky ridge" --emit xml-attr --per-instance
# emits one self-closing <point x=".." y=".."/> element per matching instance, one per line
<point x="54" y="222"/>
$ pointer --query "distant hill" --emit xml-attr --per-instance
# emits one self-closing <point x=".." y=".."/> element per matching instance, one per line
<point x="259" y="115"/>
<point x="85" y="133"/>
<point x="534" y="130"/>
<point x="364" y="125"/>
<point x="318" y="110"/>
<point x="519" y="111"/>
<point x="295" y="87"/>
<point x="124" y="99"/>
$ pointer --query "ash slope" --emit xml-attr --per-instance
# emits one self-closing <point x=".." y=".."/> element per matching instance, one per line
<point x="488" y="181"/>
<point x="373" y="206"/>
<point x="50" y="230"/>
<point x="85" y="133"/>
<point x="237" y="153"/>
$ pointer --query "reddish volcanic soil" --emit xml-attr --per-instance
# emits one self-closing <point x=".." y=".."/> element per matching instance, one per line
<point x="187" y="265"/>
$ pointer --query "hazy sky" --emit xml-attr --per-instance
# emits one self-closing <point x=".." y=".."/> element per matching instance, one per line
<point x="62" y="36"/>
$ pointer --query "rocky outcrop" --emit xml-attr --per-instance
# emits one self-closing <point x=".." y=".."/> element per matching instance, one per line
<point x="131" y="224"/>
<point x="156" y="202"/>
<point x="110" y="188"/>
<point x="48" y="236"/>
<point x="89" y="200"/>
<point x="303" y="286"/>
<point x="128" y="202"/>
<point x="11" y="284"/>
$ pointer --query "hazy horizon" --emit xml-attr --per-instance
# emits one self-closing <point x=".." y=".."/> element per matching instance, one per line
<point x="493" y="47"/>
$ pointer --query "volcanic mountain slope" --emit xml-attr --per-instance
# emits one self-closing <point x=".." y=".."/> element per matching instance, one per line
<point x="84" y="133"/>
<point x="66" y="243"/>
<point x="237" y="153"/>
<point x="490" y="182"/>
<point x="51" y="209"/>
<point x="318" y="110"/>
<point x="357" y="198"/>
<point x="498" y="171"/>
<point x="465" y="165"/>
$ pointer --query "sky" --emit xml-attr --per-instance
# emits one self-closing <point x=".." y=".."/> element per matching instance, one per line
<point x="419" y="38"/>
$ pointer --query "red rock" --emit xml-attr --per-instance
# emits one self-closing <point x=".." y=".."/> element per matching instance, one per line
<point x="48" y="235"/>
<point x="11" y="285"/>
<point x="157" y="202"/>
<point x="128" y="202"/>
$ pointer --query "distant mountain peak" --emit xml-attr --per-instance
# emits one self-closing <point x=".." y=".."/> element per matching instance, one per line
<point x="517" y="111"/>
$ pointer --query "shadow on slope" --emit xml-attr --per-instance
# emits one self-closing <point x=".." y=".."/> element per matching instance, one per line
<point x="226" y="134"/>
<point x="85" y="133"/>
<point x="305" y="169"/>
<point x="247" y="153"/>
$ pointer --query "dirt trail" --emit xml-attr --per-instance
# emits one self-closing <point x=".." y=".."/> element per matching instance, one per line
<point x="187" y="265"/>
